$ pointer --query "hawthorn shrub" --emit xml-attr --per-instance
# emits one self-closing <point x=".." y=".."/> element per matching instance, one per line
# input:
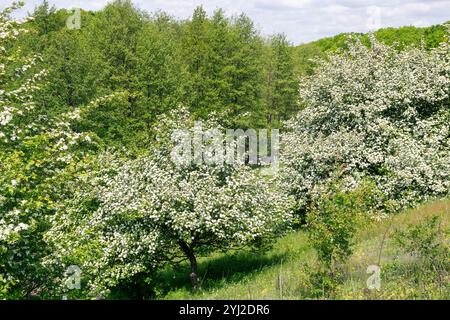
<point x="142" y="214"/>
<point x="374" y="138"/>
<point x="333" y="220"/>
<point x="40" y="156"/>
<point x="26" y="195"/>
<point x="373" y="112"/>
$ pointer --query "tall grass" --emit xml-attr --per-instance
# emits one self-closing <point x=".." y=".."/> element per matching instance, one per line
<point x="285" y="271"/>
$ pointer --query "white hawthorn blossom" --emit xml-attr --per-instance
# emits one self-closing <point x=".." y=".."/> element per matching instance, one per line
<point x="35" y="151"/>
<point x="149" y="210"/>
<point x="373" y="112"/>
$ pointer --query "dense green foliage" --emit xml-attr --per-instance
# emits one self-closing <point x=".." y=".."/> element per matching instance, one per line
<point x="207" y="63"/>
<point x="401" y="38"/>
<point x="86" y="123"/>
<point x="334" y="220"/>
<point x="291" y="270"/>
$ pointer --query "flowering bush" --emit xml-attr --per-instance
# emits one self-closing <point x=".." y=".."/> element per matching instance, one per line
<point x="39" y="157"/>
<point x="334" y="219"/>
<point x="19" y="78"/>
<point x="373" y="112"/>
<point x="140" y="214"/>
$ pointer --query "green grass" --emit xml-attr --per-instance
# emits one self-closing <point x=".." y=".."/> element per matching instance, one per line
<point x="284" y="272"/>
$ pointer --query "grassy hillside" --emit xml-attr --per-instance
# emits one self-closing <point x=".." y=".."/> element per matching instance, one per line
<point x="402" y="37"/>
<point x="285" y="271"/>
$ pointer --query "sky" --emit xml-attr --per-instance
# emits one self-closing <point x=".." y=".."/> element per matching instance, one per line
<point x="301" y="20"/>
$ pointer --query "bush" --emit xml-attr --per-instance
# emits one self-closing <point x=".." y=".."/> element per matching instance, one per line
<point x="333" y="221"/>
<point x="421" y="269"/>
<point x="148" y="212"/>
<point x="373" y="112"/>
<point x="426" y="242"/>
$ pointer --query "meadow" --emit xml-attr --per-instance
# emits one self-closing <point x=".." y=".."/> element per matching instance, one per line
<point x="285" y="271"/>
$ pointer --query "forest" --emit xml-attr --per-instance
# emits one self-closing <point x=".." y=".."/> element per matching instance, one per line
<point x="93" y="207"/>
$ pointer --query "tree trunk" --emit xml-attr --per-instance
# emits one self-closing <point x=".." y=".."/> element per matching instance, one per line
<point x="193" y="261"/>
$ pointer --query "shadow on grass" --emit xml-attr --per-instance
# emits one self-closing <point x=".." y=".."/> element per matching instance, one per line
<point x="216" y="272"/>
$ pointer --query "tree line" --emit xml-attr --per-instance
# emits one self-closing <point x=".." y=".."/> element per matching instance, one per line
<point x="209" y="64"/>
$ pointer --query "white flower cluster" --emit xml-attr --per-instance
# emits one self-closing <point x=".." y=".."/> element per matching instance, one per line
<point x="35" y="150"/>
<point x="7" y="230"/>
<point x="18" y="80"/>
<point x="10" y="29"/>
<point x="15" y="101"/>
<point x="150" y="204"/>
<point x="373" y="113"/>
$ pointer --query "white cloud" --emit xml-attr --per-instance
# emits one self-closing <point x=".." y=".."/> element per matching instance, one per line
<point x="300" y="20"/>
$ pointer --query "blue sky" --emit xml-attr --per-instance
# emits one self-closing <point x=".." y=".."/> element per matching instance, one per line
<point x="301" y="20"/>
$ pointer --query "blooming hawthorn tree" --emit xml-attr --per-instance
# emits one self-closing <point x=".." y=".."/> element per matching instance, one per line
<point x="151" y="211"/>
<point x="373" y="112"/>
<point x="19" y="78"/>
<point x="39" y="156"/>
